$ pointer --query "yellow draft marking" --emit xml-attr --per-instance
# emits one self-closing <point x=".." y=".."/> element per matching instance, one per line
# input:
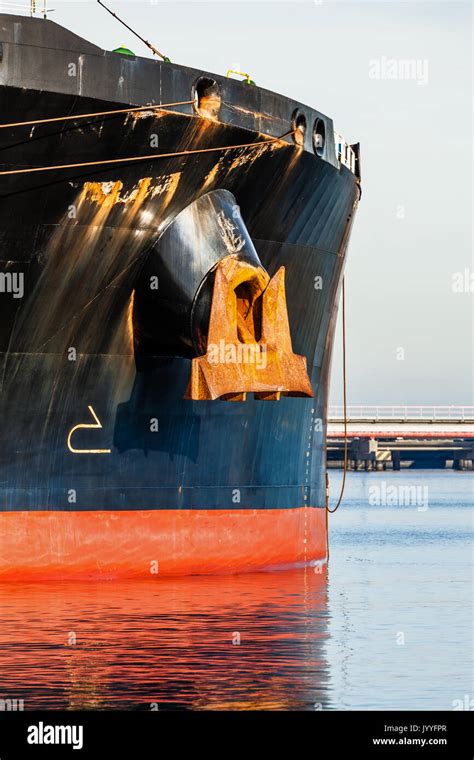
<point x="82" y="427"/>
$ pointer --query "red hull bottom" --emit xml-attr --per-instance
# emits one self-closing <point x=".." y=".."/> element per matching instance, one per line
<point x="152" y="543"/>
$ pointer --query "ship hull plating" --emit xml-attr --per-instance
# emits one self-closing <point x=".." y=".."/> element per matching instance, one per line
<point x="150" y="543"/>
<point x="106" y="469"/>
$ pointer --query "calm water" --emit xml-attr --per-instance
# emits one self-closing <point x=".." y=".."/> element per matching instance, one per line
<point x="389" y="626"/>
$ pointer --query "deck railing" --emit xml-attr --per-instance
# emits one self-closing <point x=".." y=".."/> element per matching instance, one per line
<point x="18" y="8"/>
<point x="344" y="152"/>
<point x="403" y="413"/>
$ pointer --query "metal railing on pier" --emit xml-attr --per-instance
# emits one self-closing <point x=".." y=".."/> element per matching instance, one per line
<point x="403" y="413"/>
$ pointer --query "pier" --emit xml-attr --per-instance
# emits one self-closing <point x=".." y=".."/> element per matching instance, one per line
<point x="395" y="437"/>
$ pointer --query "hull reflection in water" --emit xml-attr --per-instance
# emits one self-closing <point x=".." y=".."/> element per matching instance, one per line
<point x="171" y="644"/>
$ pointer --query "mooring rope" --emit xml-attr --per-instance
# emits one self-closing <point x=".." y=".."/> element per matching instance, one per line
<point x="158" y="107"/>
<point x="152" y="157"/>
<point x="345" y="404"/>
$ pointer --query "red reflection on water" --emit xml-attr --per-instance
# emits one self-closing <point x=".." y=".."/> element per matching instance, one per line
<point x="233" y="642"/>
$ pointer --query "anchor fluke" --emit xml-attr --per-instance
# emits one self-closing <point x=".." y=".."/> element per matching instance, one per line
<point x="249" y="347"/>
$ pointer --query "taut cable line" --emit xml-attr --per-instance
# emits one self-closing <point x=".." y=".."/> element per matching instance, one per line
<point x="134" y="109"/>
<point x="142" y="39"/>
<point x="344" y="378"/>
<point x="151" y="157"/>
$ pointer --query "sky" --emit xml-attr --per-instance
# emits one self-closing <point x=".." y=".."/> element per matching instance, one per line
<point x="409" y="273"/>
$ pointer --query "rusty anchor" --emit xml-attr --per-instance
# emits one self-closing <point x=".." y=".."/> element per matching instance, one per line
<point x="249" y="347"/>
